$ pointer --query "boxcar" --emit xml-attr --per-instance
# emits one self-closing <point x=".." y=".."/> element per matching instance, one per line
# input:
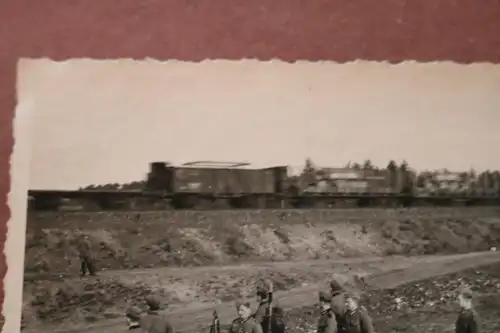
<point x="217" y="181"/>
<point x="222" y="181"/>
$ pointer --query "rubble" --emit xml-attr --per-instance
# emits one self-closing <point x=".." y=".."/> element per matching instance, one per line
<point x="96" y="298"/>
<point x="88" y="300"/>
<point x="422" y="306"/>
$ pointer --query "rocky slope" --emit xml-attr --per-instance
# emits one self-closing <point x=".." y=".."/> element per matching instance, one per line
<point x="123" y="241"/>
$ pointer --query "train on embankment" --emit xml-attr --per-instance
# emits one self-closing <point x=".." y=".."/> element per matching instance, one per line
<point x="206" y="185"/>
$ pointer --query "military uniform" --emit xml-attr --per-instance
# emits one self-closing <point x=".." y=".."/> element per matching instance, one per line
<point x="261" y="315"/>
<point x="261" y="318"/>
<point x="468" y="320"/>
<point x="337" y="303"/>
<point x="261" y="312"/>
<point x="357" y="320"/>
<point x="86" y="260"/>
<point x="326" y="322"/>
<point x="154" y="322"/>
<point x="248" y="325"/>
<point x="338" y="298"/>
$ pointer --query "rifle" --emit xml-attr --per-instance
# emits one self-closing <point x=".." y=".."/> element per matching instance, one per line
<point x="215" y="328"/>
<point x="269" y="307"/>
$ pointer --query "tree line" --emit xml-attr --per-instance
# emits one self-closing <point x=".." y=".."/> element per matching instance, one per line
<point x="485" y="179"/>
<point x="488" y="179"/>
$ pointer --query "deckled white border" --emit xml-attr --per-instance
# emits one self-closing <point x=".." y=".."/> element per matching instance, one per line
<point x="17" y="201"/>
<point x="21" y="160"/>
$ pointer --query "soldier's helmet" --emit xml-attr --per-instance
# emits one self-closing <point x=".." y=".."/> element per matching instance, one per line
<point x="336" y="287"/>
<point x="153" y="303"/>
<point x="133" y="313"/>
<point x="324" y="296"/>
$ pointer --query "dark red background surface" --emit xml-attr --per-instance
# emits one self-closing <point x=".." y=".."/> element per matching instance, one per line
<point x="394" y="30"/>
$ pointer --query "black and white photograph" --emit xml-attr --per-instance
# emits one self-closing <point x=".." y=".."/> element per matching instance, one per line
<point x="261" y="196"/>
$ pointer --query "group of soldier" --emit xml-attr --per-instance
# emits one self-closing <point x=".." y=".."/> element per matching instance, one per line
<point x="341" y="312"/>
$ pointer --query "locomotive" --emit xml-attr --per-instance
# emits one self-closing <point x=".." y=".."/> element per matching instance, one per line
<point x="231" y="185"/>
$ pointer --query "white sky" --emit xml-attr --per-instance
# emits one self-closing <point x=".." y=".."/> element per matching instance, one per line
<point x="104" y="121"/>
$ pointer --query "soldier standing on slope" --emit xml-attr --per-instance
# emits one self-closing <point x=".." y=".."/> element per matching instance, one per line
<point x="356" y="318"/>
<point x="244" y="323"/>
<point x="468" y="320"/>
<point x="84" y="252"/>
<point x="326" y="322"/>
<point x="153" y="321"/>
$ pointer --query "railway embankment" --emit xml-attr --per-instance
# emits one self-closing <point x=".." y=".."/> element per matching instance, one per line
<point x="123" y="240"/>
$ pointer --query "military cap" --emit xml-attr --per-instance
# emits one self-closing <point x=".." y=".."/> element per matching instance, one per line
<point x="353" y="295"/>
<point x="324" y="296"/>
<point x="153" y="303"/>
<point x="242" y="303"/>
<point x="466" y="292"/>
<point x="336" y="287"/>
<point x="133" y="313"/>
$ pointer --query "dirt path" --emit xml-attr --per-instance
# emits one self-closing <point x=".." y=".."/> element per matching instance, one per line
<point x="380" y="273"/>
<point x="214" y="269"/>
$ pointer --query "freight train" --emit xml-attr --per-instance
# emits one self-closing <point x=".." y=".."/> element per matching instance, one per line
<point x="222" y="185"/>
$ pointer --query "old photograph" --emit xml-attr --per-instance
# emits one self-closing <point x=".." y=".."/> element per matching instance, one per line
<point x="261" y="196"/>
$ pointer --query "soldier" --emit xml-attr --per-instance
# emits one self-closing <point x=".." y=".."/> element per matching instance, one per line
<point x="244" y="323"/>
<point x="326" y="322"/>
<point x="153" y="322"/>
<point x="86" y="260"/>
<point x="133" y="316"/>
<point x="468" y="320"/>
<point x="356" y="318"/>
<point x="337" y="293"/>
<point x="263" y="304"/>
<point x="261" y="315"/>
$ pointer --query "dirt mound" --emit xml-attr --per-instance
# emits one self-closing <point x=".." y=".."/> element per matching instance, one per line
<point x="424" y="306"/>
<point x="79" y="300"/>
<point x="197" y="291"/>
<point x="156" y="240"/>
<point x="92" y="299"/>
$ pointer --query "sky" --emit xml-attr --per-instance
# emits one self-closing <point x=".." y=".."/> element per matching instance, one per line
<point x="97" y="122"/>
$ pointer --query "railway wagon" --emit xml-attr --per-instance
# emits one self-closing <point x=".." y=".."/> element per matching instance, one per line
<point x="223" y="185"/>
<point x="451" y="184"/>
<point x="358" y="187"/>
<point x="208" y="183"/>
<point x="357" y="181"/>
